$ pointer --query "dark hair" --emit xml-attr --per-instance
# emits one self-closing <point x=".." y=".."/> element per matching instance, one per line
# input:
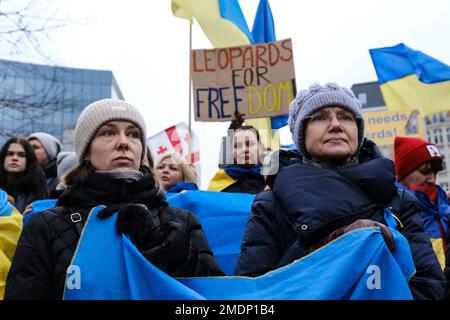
<point x="78" y="174"/>
<point x="246" y="128"/>
<point x="31" y="181"/>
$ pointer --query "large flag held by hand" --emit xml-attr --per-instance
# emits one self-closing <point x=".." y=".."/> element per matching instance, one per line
<point x="357" y="265"/>
<point x="409" y="79"/>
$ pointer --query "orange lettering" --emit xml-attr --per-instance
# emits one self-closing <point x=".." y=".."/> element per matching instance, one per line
<point x="273" y="60"/>
<point x="205" y="53"/>
<point x="286" y="45"/>
<point x="260" y="51"/>
<point x="194" y="59"/>
<point x="223" y="53"/>
<point x="235" y="53"/>
<point x="248" y="56"/>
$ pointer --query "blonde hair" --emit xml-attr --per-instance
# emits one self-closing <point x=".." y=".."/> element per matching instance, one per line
<point x="187" y="173"/>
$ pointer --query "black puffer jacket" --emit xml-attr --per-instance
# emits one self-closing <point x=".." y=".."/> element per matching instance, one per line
<point x="50" y="170"/>
<point x="50" y="238"/>
<point x="252" y="185"/>
<point x="308" y="202"/>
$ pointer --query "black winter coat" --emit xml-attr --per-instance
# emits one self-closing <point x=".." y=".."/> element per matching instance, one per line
<point x="50" y="170"/>
<point x="308" y="202"/>
<point x="50" y="238"/>
<point x="253" y="185"/>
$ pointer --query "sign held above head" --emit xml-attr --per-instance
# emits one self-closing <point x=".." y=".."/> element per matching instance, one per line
<point x="254" y="80"/>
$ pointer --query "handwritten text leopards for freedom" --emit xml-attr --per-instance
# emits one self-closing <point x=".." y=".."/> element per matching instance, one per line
<point x="256" y="80"/>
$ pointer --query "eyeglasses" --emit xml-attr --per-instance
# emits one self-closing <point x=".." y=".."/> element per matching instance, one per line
<point x="345" y="119"/>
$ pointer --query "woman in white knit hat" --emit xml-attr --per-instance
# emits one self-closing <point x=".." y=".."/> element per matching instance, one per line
<point x="338" y="182"/>
<point x="110" y="146"/>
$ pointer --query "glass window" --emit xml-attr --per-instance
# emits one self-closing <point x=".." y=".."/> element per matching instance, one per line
<point x="77" y="76"/>
<point x="438" y="138"/>
<point x="362" y="97"/>
<point x="87" y="76"/>
<point x="429" y="135"/>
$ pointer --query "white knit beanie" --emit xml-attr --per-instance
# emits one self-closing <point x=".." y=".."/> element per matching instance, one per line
<point x="317" y="97"/>
<point x="98" y="113"/>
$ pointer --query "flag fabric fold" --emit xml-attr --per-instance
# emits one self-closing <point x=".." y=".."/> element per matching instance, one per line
<point x="222" y="32"/>
<point x="215" y="210"/>
<point x="357" y="265"/>
<point x="10" y="231"/>
<point x="412" y="80"/>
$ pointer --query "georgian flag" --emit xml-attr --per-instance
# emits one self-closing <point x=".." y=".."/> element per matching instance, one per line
<point x="433" y="151"/>
<point x="176" y="139"/>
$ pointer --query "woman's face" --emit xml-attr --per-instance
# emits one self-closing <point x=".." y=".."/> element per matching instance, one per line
<point x="168" y="173"/>
<point x="39" y="151"/>
<point x="15" y="159"/>
<point x="331" y="135"/>
<point x="246" y="149"/>
<point x="424" y="175"/>
<point x="116" y="146"/>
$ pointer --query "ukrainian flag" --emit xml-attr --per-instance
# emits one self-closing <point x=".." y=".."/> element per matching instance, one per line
<point x="409" y="79"/>
<point x="356" y="266"/>
<point x="221" y="20"/>
<point x="10" y="230"/>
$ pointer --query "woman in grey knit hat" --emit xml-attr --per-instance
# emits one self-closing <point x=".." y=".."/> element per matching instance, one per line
<point x="336" y="182"/>
<point x="46" y="148"/>
<point x="110" y="140"/>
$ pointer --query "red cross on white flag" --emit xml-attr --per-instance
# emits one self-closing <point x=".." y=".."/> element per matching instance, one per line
<point x="176" y="139"/>
<point x="433" y="151"/>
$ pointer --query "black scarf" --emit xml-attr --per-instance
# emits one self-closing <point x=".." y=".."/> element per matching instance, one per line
<point x="100" y="189"/>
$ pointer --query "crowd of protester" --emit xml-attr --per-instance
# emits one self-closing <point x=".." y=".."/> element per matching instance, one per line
<point x="336" y="181"/>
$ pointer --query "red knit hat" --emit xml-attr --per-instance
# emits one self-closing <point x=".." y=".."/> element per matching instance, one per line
<point x="411" y="153"/>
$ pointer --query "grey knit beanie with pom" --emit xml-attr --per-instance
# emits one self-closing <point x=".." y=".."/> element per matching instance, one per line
<point x="98" y="113"/>
<point x="317" y="97"/>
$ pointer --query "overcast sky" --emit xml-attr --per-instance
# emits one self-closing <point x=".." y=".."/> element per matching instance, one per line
<point x="146" y="47"/>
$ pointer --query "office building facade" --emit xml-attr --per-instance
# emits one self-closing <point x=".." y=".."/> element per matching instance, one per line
<point x="48" y="98"/>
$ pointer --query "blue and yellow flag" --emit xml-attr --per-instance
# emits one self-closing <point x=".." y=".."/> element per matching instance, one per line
<point x="227" y="212"/>
<point x="411" y="80"/>
<point x="222" y="21"/>
<point x="357" y="265"/>
<point x="213" y="210"/>
<point x="10" y="230"/>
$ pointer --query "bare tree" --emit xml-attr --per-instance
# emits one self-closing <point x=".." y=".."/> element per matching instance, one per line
<point x="32" y="97"/>
<point x="24" y="23"/>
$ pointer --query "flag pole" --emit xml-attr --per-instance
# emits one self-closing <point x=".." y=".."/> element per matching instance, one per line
<point x="190" y="88"/>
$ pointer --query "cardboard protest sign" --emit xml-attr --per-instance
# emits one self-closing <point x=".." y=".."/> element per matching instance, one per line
<point x="255" y="80"/>
<point x="382" y="127"/>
